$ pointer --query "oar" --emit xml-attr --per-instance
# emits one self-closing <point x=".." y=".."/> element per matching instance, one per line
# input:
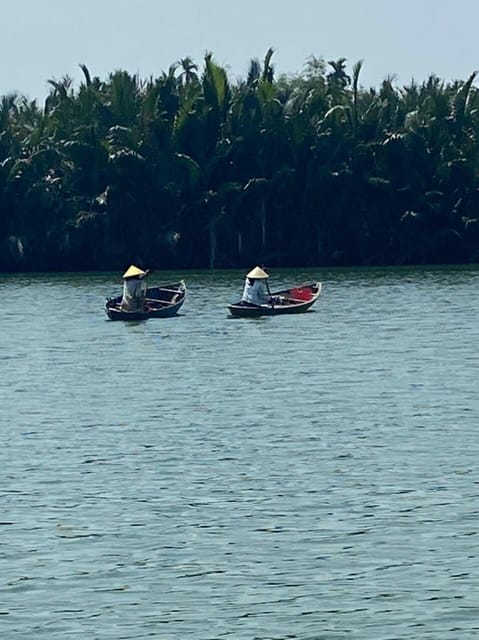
<point x="269" y="293"/>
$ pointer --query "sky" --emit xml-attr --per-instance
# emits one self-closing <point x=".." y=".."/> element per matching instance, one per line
<point x="403" y="39"/>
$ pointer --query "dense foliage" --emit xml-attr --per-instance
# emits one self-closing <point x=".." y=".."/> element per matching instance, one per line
<point x="189" y="171"/>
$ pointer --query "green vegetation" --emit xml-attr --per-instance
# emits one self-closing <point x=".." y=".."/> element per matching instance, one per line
<point x="190" y="171"/>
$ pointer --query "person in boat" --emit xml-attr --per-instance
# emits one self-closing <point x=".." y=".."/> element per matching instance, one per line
<point x="255" y="289"/>
<point x="134" y="289"/>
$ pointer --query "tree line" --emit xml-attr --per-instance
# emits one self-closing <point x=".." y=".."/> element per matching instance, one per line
<point x="190" y="170"/>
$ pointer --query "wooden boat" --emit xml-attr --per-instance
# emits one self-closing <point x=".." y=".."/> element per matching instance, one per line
<point x="295" y="300"/>
<point x="161" y="302"/>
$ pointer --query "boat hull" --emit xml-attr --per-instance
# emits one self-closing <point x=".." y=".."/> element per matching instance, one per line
<point x="161" y="302"/>
<point x="288" y="301"/>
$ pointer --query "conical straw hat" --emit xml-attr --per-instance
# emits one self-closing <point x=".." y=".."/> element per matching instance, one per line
<point x="133" y="272"/>
<point x="257" y="272"/>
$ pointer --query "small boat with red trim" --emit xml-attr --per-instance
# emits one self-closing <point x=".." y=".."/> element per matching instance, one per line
<point x="298" y="299"/>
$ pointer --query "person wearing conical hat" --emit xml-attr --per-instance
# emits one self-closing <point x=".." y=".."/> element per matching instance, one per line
<point x="134" y="289"/>
<point x="255" y="290"/>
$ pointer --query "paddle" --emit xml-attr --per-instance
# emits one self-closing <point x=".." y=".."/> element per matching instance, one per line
<point x="270" y="296"/>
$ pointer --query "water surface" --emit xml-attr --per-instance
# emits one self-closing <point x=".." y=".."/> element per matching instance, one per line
<point x="203" y="477"/>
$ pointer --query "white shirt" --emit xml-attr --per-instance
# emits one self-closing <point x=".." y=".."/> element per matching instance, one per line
<point x="255" y="292"/>
<point x="134" y="291"/>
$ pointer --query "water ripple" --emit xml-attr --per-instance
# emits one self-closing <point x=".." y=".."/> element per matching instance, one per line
<point x="312" y="477"/>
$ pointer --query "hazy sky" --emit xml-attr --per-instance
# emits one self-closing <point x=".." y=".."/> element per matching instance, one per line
<point x="404" y="38"/>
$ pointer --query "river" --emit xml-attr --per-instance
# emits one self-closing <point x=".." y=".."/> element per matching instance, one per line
<point x="203" y="477"/>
